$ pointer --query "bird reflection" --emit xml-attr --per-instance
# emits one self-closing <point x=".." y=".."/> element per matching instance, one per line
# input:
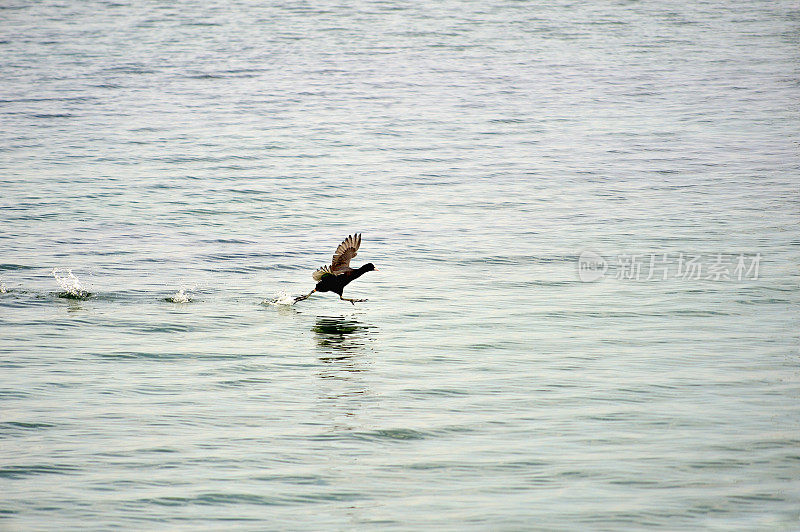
<point x="343" y="393"/>
<point x="341" y="339"/>
<point x="344" y="347"/>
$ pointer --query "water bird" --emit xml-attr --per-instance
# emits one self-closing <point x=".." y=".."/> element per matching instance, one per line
<point x="339" y="274"/>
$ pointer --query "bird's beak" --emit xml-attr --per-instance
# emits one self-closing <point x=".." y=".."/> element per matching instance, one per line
<point x="377" y="270"/>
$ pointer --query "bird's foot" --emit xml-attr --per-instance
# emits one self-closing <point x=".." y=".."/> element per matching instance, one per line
<point x="301" y="298"/>
<point x="353" y="301"/>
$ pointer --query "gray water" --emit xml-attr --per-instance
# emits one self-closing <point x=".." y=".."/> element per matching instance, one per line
<point x="192" y="162"/>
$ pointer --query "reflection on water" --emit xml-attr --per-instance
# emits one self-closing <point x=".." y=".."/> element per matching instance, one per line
<point x="343" y="387"/>
<point x="74" y="305"/>
<point x="343" y="345"/>
<point x="340" y="338"/>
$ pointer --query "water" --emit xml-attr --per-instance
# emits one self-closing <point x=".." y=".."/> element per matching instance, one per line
<point x="192" y="163"/>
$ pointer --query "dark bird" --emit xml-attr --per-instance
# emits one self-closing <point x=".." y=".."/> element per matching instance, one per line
<point x="339" y="274"/>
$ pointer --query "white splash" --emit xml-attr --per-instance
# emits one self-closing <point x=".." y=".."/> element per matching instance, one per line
<point x="180" y="297"/>
<point x="69" y="283"/>
<point x="282" y="298"/>
<point x="3" y="289"/>
<point x="184" y="295"/>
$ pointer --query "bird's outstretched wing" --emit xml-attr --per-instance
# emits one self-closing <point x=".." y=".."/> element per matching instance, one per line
<point x="320" y="273"/>
<point x="346" y="251"/>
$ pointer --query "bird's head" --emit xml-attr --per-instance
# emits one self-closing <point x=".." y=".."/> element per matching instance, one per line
<point x="369" y="267"/>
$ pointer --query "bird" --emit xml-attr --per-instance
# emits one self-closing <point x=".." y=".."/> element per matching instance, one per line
<point x="339" y="274"/>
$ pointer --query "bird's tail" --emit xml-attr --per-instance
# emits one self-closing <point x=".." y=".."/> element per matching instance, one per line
<point x="321" y="272"/>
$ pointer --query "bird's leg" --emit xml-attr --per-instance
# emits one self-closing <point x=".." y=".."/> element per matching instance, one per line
<point x="301" y="298"/>
<point x="353" y="301"/>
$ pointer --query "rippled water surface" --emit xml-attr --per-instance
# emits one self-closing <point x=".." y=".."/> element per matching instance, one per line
<point x="191" y="162"/>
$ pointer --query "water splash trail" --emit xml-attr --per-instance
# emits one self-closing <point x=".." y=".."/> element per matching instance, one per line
<point x="281" y="299"/>
<point x="181" y="296"/>
<point x="71" y="286"/>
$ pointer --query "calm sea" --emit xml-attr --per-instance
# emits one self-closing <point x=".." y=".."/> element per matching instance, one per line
<point x="191" y="163"/>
